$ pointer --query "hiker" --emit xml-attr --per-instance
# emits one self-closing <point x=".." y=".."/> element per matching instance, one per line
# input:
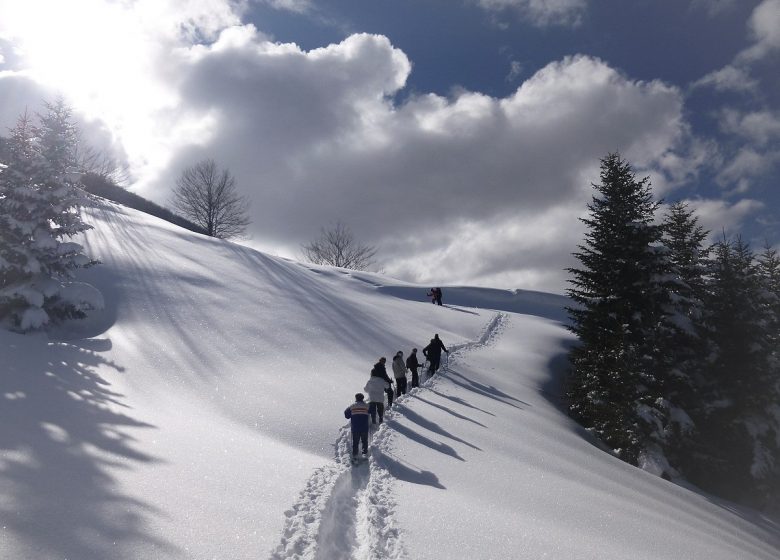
<point x="413" y="365"/>
<point x="399" y="372"/>
<point x="436" y="296"/>
<point x="433" y="353"/>
<point x="380" y="371"/>
<point x="357" y="413"/>
<point x="376" y="387"/>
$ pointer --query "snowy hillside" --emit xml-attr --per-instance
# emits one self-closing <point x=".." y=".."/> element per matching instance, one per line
<point x="200" y="416"/>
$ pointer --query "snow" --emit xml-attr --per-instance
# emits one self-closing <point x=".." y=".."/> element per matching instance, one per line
<point x="199" y="415"/>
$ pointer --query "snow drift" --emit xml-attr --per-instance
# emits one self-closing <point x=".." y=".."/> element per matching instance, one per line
<point x="199" y="415"/>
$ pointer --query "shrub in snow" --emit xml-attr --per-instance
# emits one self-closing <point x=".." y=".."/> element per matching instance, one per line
<point x="39" y="211"/>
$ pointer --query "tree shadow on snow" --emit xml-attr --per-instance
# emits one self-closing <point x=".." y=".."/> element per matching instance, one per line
<point x="558" y="367"/>
<point x="62" y="429"/>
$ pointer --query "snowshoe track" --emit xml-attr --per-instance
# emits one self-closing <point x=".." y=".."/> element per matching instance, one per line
<point x="348" y="512"/>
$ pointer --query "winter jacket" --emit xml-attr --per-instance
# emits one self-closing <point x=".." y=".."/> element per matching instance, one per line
<point x="381" y="372"/>
<point x="411" y="361"/>
<point x="434" y="348"/>
<point x="376" y="388"/>
<point x="358" y="416"/>
<point x="399" y="367"/>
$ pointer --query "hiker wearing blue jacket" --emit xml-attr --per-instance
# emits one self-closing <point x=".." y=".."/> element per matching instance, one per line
<point x="357" y="413"/>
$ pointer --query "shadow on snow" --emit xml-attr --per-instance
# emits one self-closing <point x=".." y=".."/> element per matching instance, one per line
<point x="61" y="431"/>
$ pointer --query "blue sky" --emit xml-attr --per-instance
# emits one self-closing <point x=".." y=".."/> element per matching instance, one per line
<point x="460" y="137"/>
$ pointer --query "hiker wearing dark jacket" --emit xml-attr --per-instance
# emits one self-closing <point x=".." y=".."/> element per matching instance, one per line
<point x="381" y="371"/>
<point x="433" y="353"/>
<point x="357" y="413"/>
<point x="413" y="364"/>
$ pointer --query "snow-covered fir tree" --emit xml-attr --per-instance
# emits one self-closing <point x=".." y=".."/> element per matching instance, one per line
<point x="39" y="211"/>
<point x="614" y="387"/>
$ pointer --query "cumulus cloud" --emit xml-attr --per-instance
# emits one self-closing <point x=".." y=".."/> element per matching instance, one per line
<point x="314" y="137"/>
<point x="467" y="188"/>
<point x="541" y="12"/>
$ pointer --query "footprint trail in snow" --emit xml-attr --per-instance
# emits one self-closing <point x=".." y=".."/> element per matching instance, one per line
<point x="347" y="512"/>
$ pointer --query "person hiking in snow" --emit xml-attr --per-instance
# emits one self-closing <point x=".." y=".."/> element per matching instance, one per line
<point x="413" y="365"/>
<point x="437" y="296"/>
<point x="399" y="372"/>
<point x="381" y="371"/>
<point x="357" y="413"/>
<point x="433" y="353"/>
<point x="376" y="389"/>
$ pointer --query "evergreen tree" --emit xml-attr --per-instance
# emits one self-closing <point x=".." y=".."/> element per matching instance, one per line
<point x="57" y="138"/>
<point x="769" y="280"/>
<point x="614" y="388"/>
<point x="683" y="239"/>
<point x="735" y="453"/>
<point x="39" y="208"/>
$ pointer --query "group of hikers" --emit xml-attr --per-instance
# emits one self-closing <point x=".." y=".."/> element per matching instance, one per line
<point x="380" y="385"/>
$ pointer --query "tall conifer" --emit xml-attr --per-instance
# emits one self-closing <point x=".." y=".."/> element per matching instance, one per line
<point x="614" y="388"/>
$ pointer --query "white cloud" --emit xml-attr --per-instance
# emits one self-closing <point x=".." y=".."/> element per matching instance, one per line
<point x="764" y="28"/>
<point x="718" y="216"/>
<point x="314" y="137"/>
<point x="746" y="166"/>
<point x="541" y="12"/>
<point x="714" y="7"/>
<point x="297" y="6"/>
<point x="764" y="25"/>
<point x="466" y="187"/>
<point x="760" y="127"/>
<point x="729" y="78"/>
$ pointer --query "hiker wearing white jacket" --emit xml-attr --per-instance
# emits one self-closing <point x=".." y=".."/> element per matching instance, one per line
<point x="376" y="388"/>
<point x="399" y="371"/>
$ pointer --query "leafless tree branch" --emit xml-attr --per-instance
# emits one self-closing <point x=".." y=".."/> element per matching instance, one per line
<point x="338" y="247"/>
<point x="207" y="196"/>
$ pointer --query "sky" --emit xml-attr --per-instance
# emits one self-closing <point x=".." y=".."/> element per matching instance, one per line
<point x="459" y="137"/>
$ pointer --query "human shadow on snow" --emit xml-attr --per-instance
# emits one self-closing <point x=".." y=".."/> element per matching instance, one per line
<point x="429" y="425"/>
<point x="422" y="440"/>
<point x="459" y="401"/>
<point x="400" y="471"/>
<point x="62" y="429"/>
<point x="448" y="410"/>
<point x="485" y="390"/>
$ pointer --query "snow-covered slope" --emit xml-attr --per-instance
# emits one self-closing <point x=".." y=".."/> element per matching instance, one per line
<point x="200" y="416"/>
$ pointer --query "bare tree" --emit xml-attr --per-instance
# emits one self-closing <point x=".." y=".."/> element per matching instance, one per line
<point x="207" y="196"/>
<point x="338" y="247"/>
